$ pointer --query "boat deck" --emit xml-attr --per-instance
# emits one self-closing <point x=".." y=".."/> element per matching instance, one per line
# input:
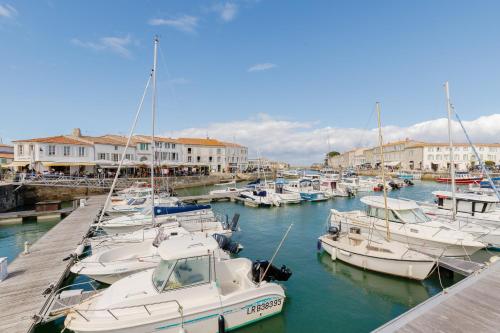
<point x="30" y="275"/>
<point x="471" y="305"/>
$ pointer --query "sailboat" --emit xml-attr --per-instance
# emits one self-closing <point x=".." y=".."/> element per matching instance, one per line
<point x="373" y="252"/>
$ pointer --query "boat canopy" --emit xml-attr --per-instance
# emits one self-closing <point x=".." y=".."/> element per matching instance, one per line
<point x="394" y="204"/>
<point x="187" y="246"/>
<point x="472" y="197"/>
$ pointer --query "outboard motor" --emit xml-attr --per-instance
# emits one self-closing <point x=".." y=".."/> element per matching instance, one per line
<point x="227" y="244"/>
<point x="334" y="231"/>
<point x="393" y="185"/>
<point x="234" y="222"/>
<point x="408" y="182"/>
<point x="273" y="273"/>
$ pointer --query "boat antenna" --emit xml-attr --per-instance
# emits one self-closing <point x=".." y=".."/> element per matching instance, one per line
<point x="493" y="186"/>
<point x="153" y="114"/>
<point x="275" y="253"/>
<point x="452" y="163"/>
<point x="124" y="154"/>
<point x="382" y="165"/>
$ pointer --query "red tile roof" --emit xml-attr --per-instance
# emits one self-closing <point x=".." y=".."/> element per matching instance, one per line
<point x="60" y="139"/>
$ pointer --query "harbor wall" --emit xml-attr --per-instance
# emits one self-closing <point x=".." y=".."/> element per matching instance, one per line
<point x="10" y="198"/>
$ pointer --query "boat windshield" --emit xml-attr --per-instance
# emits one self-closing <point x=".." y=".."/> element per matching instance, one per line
<point x="162" y="272"/>
<point x="413" y="215"/>
<point x="188" y="272"/>
<point x="139" y="201"/>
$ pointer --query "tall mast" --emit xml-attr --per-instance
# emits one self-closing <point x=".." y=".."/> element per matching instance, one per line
<point x="153" y="116"/>
<point x="382" y="165"/>
<point x="452" y="163"/>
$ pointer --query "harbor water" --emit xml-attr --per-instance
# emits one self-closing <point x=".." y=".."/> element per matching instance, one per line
<point x="322" y="295"/>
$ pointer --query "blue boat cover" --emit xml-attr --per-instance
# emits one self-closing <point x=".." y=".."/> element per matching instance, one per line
<point x="166" y="210"/>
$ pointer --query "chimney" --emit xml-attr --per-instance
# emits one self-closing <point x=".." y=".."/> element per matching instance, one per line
<point x="77" y="132"/>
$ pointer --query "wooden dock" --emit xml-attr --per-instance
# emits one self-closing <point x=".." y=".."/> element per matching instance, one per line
<point x="29" y="275"/>
<point x="20" y="216"/>
<point x="471" y="305"/>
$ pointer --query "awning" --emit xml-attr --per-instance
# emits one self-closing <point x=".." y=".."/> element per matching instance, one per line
<point x="52" y="164"/>
<point x="18" y="164"/>
<point x="392" y="164"/>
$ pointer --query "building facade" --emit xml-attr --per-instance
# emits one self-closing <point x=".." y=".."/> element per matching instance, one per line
<point x="77" y="153"/>
<point x="415" y="155"/>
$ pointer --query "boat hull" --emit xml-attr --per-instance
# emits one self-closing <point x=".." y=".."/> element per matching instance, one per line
<point x="475" y="180"/>
<point x="235" y="316"/>
<point x="411" y="269"/>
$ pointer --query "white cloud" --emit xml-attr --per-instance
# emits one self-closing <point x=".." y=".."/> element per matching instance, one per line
<point x="118" y="45"/>
<point x="227" y="11"/>
<point x="7" y="11"/>
<point x="305" y="143"/>
<point x="261" y="67"/>
<point x="183" y="23"/>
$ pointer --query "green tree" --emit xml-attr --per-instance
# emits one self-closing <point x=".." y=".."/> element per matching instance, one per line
<point x="333" y="153"/>
<point x="489" y="164"/>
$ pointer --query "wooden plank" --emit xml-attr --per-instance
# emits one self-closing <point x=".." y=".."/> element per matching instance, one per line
<point x="29" y="275"/>
<point x="472" y="305"/>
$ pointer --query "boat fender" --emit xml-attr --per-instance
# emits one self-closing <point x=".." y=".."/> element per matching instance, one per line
<point x="222" y="324"/>
<point x="79" y="250"/>
<point x="318" y="245"/>
<point x="334" y="254"/>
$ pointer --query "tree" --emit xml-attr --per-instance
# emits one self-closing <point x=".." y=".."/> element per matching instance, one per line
<point x="333" y="153"/>
<point x="489" y="164"/>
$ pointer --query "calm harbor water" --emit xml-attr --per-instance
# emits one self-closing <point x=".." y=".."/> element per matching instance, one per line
<point x="322" y="295"/>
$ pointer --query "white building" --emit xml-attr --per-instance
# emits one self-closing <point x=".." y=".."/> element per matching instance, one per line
<point x="77" y="153"/>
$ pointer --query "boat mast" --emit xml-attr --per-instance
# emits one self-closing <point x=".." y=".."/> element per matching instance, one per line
<point x="452" y="163"/>
<point x="382" y="165"/>
<point x="153" y="115"/>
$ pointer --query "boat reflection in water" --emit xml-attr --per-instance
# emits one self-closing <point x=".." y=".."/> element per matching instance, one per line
<point x="398" y="291"/>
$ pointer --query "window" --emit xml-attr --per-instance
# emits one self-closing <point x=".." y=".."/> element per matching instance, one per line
<point x="189" y="150"/>
<point x="101" y="156"/>
<point x="465" y="148"/>
<point x="115" y="157"/>
<point x="129" y="157"/>
<point x="438" y="157"/>
<point x="174" y="156"/>
<point x="81" y="151"/>
<point x="189" y="159"/>
<point x="218" y="151"/>
<point x="66" y="150"/>
<point x="116" y="147"/>
<point x="161" y="273"/>
<point x="143" y="146"/>
<point x="198" y="158"/>
<point x="210" y="158"/>
<point x="31" y="148"/>
<point x="481" y="148"/>
<point x="493" y="150"/>
<point x="189" y="272"/>
<point x="20" y="149"/>
<point x="52" y="150"/>
<point x="158" y="144"/>
<point x="173" y="145"/>
<point x="464" y="157"/>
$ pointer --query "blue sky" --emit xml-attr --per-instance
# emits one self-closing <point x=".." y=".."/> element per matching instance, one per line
<point x="316" y="64"/>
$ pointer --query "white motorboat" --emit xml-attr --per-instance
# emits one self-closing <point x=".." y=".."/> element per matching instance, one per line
<point x="108" y="265"/>
<point x="480" y="209"/>
<point x="227" y="190"/>
<point x="334" y="188"/>
<point x="191" y="290"/>
<point x="191" y="217"/>
<point x="278" y="193"/>
<point x="377" y="255"/>
<point x="257" y="197"/>
<point x="409" y="225"/>
<point x="308" y="189"/>
<point x="135" y="205"/>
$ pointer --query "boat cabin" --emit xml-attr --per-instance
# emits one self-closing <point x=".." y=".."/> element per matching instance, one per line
<point x="400" y="211"/>
<point x="470" y="203"/>
<point x="193" y="261"/>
